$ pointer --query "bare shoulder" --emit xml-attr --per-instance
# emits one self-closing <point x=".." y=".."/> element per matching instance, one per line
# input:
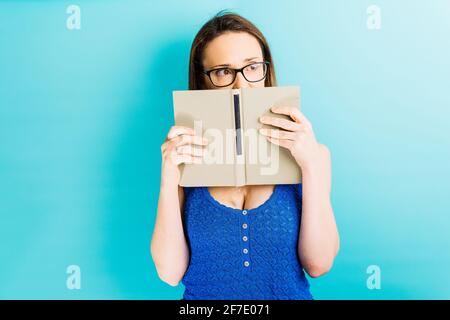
<point x="325" y="150"/>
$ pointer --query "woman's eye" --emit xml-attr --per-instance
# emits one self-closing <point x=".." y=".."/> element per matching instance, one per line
<point x="222" y="72"/>
<point x="255" y="66"/>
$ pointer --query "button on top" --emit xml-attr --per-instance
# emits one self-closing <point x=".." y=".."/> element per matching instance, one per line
<point x="245" y="226"/>
<point x="244" y="212"/>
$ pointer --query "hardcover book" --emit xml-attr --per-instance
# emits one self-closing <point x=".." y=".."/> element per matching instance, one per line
<point x="237" y="154"/>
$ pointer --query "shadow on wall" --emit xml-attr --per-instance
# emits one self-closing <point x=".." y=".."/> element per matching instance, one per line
<point x="135" y="176"/>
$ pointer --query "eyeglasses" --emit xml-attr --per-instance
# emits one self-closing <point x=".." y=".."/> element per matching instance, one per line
<point x="223" y="77"/>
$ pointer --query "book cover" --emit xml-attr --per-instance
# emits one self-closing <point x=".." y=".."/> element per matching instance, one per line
<point x="237" y="154"/>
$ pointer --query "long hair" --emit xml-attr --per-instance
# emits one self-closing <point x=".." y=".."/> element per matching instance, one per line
<point x="219" y="24"/>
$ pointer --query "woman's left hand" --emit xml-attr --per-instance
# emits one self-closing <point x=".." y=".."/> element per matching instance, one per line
<point x="296" y="135"/>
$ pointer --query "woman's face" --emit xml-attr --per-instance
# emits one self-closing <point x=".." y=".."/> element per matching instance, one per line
<point x="234" y="50"/>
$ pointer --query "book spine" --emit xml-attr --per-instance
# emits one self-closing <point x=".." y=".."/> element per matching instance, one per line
<point x="240" y="157"/>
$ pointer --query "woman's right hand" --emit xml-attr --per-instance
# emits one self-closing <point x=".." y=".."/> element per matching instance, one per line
<point x="181" y="146"/>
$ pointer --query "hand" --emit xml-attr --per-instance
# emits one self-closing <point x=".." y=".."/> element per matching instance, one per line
<point x="180" y="146"/>
<point x="296" y="135"/>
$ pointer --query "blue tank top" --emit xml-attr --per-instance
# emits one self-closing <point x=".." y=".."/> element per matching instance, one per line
<point x="244" y="254"/>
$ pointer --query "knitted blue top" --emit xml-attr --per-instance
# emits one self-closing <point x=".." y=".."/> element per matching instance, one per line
<point x="244" y="254"/>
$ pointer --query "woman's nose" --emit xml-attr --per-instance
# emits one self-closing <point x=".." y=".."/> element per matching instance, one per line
<point x="240" y="82"/>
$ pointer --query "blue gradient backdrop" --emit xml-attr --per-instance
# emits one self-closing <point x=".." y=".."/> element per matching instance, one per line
<point x="83" y="114"/>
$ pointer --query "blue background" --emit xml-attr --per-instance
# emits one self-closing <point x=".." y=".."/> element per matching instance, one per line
<point x="83" y="114"/>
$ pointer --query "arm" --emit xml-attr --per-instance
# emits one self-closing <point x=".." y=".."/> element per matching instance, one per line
<point x="169" y="248"/>
<point x="319" y="238"/>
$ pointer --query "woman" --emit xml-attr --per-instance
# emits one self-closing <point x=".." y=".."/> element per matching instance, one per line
<point x="245" y="242"/>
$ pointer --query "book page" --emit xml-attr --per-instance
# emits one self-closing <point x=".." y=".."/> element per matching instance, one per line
<point x="267" y="163"/>
<point x="210" y="113"/>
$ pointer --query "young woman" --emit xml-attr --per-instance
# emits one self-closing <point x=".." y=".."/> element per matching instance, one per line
<point x="245" y="242"/>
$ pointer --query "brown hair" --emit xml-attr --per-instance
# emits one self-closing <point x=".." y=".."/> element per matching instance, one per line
<point x="219" y="24"/>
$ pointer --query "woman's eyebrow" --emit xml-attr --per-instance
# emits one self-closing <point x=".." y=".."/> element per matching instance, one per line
<point x="227" y="64"/>
<point x="252" y="58"/>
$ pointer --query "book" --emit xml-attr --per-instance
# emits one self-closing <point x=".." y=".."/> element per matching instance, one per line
<point x="237" y="154"/>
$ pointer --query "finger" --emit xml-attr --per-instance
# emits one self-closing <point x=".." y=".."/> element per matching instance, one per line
<point x="282" y="143"/>
<point x="281" y="123"/>
<point x="191" y="150"/>
<point x="183" y="158"/>
<point x="293" y="112"/>
<point x="178" y="130"/>
<point x="278" y="134"/>
<point x="189" y="139"/>
<point x="188" y="159"/>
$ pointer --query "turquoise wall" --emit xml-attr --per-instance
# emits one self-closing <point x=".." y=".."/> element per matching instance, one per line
<point x="83" y="114"/>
